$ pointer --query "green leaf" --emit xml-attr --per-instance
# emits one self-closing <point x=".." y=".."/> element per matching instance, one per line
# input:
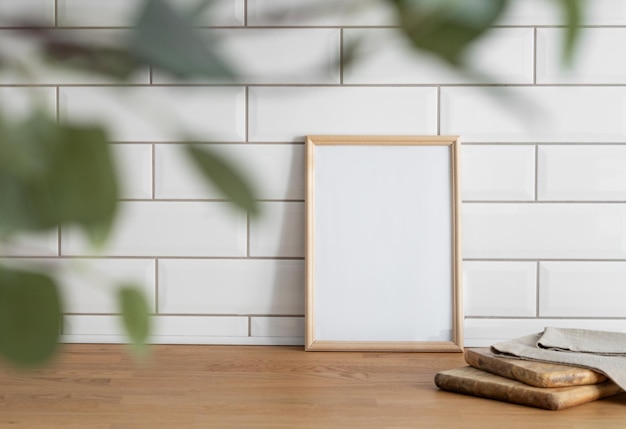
<point x="30" y="317"/>
<point x="83" y="186"/>
<point x="164" y="39"/>
<point x="445" y="28"/>
<point x="572" y="16"/>
<point x="135" y="315"/>
<point x="225" y="177"/>
<point x="55" y="174"/>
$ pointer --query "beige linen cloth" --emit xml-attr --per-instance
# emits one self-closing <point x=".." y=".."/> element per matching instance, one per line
<point x="602" y="351"/>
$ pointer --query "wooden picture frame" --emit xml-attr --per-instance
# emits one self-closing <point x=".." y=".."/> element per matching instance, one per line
<point x="383" y="264"/>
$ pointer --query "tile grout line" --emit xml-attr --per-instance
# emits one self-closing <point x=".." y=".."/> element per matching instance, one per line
<point x="537" y="289"/>
<point x="341" y="55"/>
<point x="439" y="110"/>
<point x="153" y="175"/>
<point x="534" y="55"/>
<point x="156" y="285"/>
<point x="246" y="112"/>
<point x="58" y="119"/>
<point x="248" y="225"/>
<point x="536" y="187"/>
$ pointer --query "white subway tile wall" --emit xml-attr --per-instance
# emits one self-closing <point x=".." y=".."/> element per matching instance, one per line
<point x="13" y="13"/>
<point x="16" y="48"/>
<point x="167" y="228"/>
<point x="523" y="114"/>
<point x="582" y="173"/>
<point x="289" y="113"/>
<point x="275" y="170"/>
<point x="122" y="13"/>
<point x="595" y="61"/>
<point x="231" y="286"/>
<point x="502" y="289"/>
<point x="158" y="113"/>
<point x="498" y="172"/>
<point x="274" y="56"/>
<point x="279" y="230"/>
<point x="543" y="176"/>
<point x="573" y="289"/>
<point x="386" y="57"/>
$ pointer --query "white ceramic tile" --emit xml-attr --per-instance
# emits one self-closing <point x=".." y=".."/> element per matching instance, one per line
<point x="121" y="13"/>
<point x="165" y="329"/>
<point x="16" y="48"/>
<point x="274" y="56"/>
<point x="94" y="325"/>
<point x="134" y="165"/>
<point x="582" y="289"/>
<point x="159" y="113"/>
<point x="276" y="171"/>
<point x="13" y="13"/>
<point x="604" y="12"/>
<point x="277" y="326"/>
<point x="544" y="231"/>
<point x="595" y="60"/>
<point x="200" y="326"/>
<point x="531" y="12"/>
<point x="90" y="285"/>
<point x="20" y="102"/>
<point x="498" y="173"/>
<point x="500" y="289"/>
<point x="485" y="332"/>
<point x="236" y="286"/>
<point x="319" y="12"/>
<point x="279" y="230"/>
<point x="540" y="12"/>
<point x="168" y="229"/>
<point x="32" y="244"/>
<point x="588" y="173"/>
<point x="385" y="56"/>
<point x="288" y="114"/>
<point x="535" y="114"/>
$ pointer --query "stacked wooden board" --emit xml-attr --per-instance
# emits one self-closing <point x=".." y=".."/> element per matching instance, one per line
<point x="536" y="384"/>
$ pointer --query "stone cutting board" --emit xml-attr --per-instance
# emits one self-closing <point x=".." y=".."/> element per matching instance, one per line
<point x="537" y="374"/>
<point x="475" y="382"/>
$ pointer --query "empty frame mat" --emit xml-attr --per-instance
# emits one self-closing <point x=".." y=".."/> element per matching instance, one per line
<point x="382" y="254"/>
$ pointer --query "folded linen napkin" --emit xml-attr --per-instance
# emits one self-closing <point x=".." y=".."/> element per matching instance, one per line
<point x="583" y="340"/>
<point x="602" y="351"/>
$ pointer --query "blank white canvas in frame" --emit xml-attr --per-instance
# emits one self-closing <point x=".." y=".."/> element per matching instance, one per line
<point x="383" y="248"/>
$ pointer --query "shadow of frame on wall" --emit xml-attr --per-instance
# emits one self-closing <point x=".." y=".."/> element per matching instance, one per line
<point x="383" y="264"/>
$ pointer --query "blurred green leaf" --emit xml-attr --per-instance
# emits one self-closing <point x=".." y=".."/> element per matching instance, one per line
<point x="225" y="177"/>
<point x="164" y="39"/>
<point x="572" y="16"/>
<point x="30" y="317"/>
<point x="54" y="174"/>
<point x="446" y="28"/>
<point x="135" y="315"/>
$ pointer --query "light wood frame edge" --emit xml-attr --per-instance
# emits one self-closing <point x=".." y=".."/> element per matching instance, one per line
<point x="456" y="344"/>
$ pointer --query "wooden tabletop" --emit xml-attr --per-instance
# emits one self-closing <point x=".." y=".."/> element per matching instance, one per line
<point x="103" y="387"/>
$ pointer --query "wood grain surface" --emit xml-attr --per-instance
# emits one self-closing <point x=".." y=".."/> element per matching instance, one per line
<point x="101" y="386"/>
<point x="537" y="374"/>
<point x="473" y="381"/>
